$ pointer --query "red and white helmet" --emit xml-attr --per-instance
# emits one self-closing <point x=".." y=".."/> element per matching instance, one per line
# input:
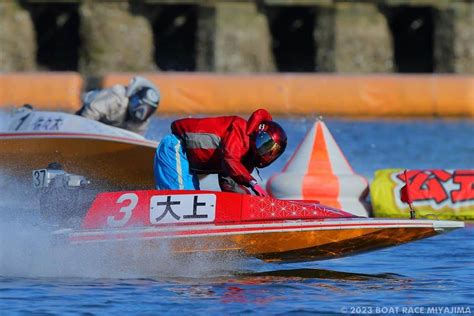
<point x="267" y="143"/>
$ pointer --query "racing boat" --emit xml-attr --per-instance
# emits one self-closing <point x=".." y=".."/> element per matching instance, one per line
<point x="184" y="222"/>
<point x="31" y="139"/>
<point x="189" y="222"/>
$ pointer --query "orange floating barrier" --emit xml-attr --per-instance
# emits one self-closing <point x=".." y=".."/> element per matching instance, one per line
<point x="282" y="93"/>
<point x="349" y="95"/>
<point x="44" y="90"/>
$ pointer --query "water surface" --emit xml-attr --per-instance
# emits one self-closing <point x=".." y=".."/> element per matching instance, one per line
<point x="40" y="279"/>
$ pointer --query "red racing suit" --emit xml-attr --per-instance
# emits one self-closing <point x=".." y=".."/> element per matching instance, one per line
<point x="221" y="145"/>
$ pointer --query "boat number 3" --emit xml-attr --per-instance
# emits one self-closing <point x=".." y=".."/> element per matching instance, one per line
<point x="126" y="210"/>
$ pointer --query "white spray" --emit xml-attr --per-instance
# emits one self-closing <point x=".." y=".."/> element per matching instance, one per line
<point x="27" y="249"/>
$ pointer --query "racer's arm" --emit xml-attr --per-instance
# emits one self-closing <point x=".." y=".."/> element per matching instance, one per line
<point x="234" y="148"/>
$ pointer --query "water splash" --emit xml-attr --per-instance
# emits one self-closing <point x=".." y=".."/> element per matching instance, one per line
<point x="29" y="250"/>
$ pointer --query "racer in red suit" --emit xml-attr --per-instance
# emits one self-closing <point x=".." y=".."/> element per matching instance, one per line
<point x="228" y="145"/>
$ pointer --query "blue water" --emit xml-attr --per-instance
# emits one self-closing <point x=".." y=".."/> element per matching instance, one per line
<point x="36" y="278"/>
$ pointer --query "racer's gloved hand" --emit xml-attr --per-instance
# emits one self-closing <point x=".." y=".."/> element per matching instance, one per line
<point x="258" y="189"/>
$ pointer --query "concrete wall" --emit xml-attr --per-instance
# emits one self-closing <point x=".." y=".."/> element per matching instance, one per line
<point x="348" y="37"/>
<point x="233" y="37"/>
<point x="353" y="38"/>
<point x="113" y="37"/>
<point x="454" y="38"/>
<point x="17" y="38"/>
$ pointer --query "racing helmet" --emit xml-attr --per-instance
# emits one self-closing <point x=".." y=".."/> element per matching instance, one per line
<point x="267" y="143"/>
<point x="143" y="103"/>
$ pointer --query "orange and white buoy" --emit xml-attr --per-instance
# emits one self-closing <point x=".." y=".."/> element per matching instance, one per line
<point x="319" y="171"/>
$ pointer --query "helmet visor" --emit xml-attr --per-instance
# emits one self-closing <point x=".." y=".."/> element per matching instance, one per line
<point x="267" y="149"/>
<point x="139" y="110"/>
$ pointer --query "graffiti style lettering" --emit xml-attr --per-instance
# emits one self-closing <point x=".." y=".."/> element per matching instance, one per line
<point x="427" y="185"/>
<point x="465" y="179"/>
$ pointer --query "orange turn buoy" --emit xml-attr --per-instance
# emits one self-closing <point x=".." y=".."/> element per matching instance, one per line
<point x="318" y="170"/>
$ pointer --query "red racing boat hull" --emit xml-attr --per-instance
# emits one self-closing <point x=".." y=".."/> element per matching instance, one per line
<point x="226" y="223"/>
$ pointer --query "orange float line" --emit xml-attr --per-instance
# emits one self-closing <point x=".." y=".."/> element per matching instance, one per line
<point x="44" y="90"/>
<point x="285" y="93"/>
<point x="348" y="95"/>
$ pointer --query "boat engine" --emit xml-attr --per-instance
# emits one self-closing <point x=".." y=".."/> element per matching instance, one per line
<point x="64" y="197"/>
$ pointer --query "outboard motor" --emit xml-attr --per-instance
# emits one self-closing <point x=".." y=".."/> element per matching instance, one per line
<point x="64" y="197"/>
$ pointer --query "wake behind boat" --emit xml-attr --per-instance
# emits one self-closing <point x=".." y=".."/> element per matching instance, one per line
<point x="31" y="139"/>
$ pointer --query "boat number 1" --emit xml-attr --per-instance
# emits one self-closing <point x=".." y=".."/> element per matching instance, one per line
<point x="126" y="210"/>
